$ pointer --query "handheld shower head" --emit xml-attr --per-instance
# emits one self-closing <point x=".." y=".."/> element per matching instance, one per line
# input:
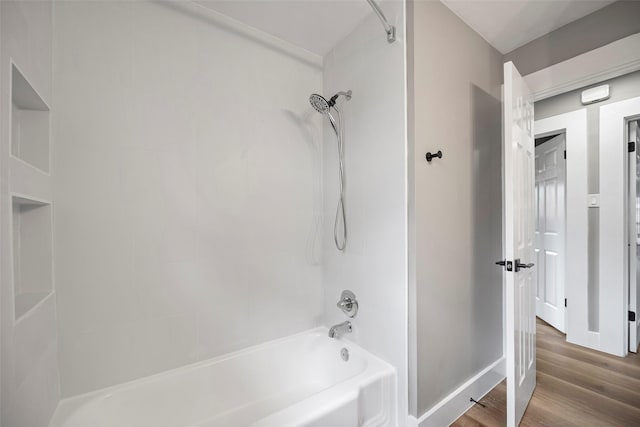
<point x="322" y="105"/>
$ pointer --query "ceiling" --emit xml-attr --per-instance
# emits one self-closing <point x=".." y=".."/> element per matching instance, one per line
<point x="315" y="25"/>
<point x="509" y="24"/>
<point x="318" y="25"/>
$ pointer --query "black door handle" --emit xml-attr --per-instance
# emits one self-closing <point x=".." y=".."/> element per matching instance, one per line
<point x="505" y="263"/>
<point x="520" y="265"/>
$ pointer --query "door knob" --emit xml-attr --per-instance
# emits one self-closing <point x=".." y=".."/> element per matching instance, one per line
<point x="520" y="265"/>
<point x="507" y="264"/>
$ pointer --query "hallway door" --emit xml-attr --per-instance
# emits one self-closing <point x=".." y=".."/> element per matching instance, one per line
<point x="550" y="231"/>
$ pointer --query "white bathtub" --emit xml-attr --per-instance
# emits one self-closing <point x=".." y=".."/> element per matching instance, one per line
<point x="300" y="380"/>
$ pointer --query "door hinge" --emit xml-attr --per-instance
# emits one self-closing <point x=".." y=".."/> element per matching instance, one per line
<point x="632" y="146"/>
<point x="565" y="302"/>
<point x="632" y="316"/>
<point x="565" y="154"/>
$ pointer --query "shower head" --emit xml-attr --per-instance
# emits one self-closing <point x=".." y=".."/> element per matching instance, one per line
<point x="319" y="103"/>
<point x="322" y="105"/>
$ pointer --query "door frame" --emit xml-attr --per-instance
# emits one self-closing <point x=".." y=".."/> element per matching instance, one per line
<point x="574" y="125"/>
<point x="614" y="268"/>
<point x="632" y="221"/>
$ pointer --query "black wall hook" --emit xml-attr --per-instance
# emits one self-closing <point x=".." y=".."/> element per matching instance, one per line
<point x="430" y="156"/>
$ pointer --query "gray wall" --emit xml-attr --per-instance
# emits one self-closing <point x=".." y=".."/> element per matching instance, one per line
<point x="455" y="224"/>
<point x="624" y="87"/>
<point x="611" y="23"/>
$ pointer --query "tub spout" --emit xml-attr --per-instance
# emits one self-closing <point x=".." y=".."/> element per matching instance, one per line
<point x="344" y="327"/>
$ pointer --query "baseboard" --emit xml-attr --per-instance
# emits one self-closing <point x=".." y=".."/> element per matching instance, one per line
<point x="457" y="403"/>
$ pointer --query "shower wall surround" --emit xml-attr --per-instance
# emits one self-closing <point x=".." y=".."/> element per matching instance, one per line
<point x="374" y="263"/>
<point x="29" y="356"/>
<point x="188" y="189"/>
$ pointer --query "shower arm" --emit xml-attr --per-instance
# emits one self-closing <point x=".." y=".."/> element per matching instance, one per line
<point x="390" y="29"/>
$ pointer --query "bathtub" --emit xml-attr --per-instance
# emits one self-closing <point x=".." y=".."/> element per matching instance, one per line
<point x="300" y="380"/>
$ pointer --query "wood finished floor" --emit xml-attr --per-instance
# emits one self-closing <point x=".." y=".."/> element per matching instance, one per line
<point x="575" y="387"/>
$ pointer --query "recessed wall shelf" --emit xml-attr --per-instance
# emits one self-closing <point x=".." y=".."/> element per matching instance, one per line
<point x="32" y="253"/>
<point x="29" y="122"/>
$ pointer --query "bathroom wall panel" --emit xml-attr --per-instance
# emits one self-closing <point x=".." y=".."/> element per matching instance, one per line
<point x="188" y="194"/>
<point x="374" y="263"/>
<point x="29" y="356"/>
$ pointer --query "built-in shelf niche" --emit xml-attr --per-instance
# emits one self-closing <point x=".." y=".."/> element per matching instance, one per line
<point x="32" y="253"/>
<point x="29" y="123"/>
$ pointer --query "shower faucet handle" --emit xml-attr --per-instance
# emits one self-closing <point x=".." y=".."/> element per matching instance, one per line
<point x="348" y="303"/>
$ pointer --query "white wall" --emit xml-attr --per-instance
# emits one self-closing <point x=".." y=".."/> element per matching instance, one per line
<point x="188" y="190"/>
<point x="29" y="372"/>
<point x="456" y="223"/>
<point x="374" y="263"/>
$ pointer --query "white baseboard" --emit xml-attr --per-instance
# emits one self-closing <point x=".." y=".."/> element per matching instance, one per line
<point x="457" y="403"/>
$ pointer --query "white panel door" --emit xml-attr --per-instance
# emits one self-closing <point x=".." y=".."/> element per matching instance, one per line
<point x="519" y="243"/>
<point x="550" y="231"/>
